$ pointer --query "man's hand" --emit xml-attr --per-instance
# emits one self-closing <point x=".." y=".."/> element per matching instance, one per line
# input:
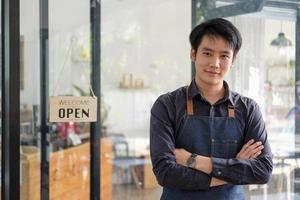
<point x="181" y="156"/>
<point x="216" y="182"/>
<point x="251" y="149"/>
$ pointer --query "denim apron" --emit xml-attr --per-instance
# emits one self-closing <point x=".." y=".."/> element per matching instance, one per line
<point x="212" y="137"/>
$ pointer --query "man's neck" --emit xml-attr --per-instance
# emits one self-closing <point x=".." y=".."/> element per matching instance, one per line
<point x="212" y="93"/>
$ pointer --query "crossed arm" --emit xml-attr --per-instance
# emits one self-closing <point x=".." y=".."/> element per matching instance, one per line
<point x="249" y="167"/>
<point x="250" y="150"/>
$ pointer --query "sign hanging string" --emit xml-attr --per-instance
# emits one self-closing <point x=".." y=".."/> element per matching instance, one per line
<point x="68" y="54"/>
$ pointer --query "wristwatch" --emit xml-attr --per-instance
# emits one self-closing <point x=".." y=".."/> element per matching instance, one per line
<point x="191" y="161"/>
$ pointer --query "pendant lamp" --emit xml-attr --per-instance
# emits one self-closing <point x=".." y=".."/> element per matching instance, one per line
<point x="281" y="40"/>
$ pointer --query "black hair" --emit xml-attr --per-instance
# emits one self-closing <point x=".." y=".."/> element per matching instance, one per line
<point x="217" y="27"/>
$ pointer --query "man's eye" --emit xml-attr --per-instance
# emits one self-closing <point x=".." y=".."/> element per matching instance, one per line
<point x="207" y="53"/>
<point x="226" y="56"/>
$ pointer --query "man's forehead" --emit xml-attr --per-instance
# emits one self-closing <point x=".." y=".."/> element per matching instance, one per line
<point x="208" y="43"/>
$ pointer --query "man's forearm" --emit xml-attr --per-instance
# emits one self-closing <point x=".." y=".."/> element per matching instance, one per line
<point x="247" y="171"/>
<point x="203" y="164"/>
<point x="233" y="170"/>
<point x="170" y="174"/>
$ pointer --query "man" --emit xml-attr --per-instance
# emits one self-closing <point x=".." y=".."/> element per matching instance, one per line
<point x="206" y="140"/>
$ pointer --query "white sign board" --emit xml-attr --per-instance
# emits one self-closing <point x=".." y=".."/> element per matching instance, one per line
<point x="73" y="109"/>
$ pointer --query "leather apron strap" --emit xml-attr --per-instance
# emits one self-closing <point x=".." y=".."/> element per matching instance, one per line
<point x="190" y="109"/>
<point x="189" y="103"/>
<point x="230" y="108"/>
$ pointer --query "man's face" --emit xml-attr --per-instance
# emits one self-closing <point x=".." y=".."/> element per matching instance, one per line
<point x="213" y="60"/>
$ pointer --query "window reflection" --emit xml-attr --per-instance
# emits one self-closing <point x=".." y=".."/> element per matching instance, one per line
<point x="268" y="76"/>
<point x="143" y="54"/>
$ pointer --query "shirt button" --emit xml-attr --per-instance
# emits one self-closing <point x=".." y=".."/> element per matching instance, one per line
<point x="219" y="172"/>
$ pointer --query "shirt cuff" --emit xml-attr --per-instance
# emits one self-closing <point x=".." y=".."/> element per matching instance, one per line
<point x="219" y="167"/>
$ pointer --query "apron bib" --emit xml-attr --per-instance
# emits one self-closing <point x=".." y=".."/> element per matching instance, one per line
<point x="212" y="137"/>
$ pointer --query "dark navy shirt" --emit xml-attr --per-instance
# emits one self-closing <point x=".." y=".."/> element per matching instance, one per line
<point x="168" y="116"/>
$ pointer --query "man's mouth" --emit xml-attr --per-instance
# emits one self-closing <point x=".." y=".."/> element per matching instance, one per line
<point x="212" y="72"/>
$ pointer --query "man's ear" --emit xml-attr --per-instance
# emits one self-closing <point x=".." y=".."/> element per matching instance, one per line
<point x="193" y="55"/>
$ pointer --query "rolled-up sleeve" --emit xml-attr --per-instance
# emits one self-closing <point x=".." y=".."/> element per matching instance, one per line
<point x="249" y="171"/>
<point x="162" y="145"/>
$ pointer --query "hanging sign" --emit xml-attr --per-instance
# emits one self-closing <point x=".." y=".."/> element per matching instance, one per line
<point x="73" y="109"/>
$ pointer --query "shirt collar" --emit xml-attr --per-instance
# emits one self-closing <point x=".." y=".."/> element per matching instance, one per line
<point x="193" y="92"/>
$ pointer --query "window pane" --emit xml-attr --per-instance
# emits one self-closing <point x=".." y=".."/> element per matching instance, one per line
<point x="69" y="75"/>
<point x="266" y="73"/>
<point x="29" y="100"/>
<point x="143" y="54"/>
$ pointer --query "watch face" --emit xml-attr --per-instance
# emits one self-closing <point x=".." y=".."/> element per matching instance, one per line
<point x="191" y="161"/>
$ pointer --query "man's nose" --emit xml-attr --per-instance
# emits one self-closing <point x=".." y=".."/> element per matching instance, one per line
<point x="215" y="63"/>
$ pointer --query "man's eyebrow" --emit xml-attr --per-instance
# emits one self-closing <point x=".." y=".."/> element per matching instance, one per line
<point x="226" y="52"/>
<point x="209" y="49"/>
<point x="206" y="49"/>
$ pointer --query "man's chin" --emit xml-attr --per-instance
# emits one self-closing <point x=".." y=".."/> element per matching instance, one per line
<point x="211" y="81"/>
<point x="214" y="82"/>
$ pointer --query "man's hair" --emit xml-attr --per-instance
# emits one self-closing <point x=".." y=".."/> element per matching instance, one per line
<point x="217" y="27"/>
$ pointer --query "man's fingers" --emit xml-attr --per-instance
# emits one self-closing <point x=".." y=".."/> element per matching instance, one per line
<point x="253" y="146"/>
<point x="242" y="153"/>
<point x="256" y="154"/>
<point x="250" y="150"/>
<point x="247" y="145"/>
<point x="254" y="149"/>
<point x="258" y="149"/>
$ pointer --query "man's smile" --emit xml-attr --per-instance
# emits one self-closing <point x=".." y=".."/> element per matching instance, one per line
<point x="213" y="73"/>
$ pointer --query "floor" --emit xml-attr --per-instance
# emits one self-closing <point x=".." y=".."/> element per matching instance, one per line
<point x="131" y="192"/>
<point x="277" y="189"/>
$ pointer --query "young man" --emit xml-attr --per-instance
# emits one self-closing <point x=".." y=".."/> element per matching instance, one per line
<point x="206" y="140"/>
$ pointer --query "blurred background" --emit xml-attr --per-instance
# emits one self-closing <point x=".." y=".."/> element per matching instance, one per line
<point x="144" y="53"/>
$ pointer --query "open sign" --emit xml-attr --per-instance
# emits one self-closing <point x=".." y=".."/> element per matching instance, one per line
<point x="75" y="109"/>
